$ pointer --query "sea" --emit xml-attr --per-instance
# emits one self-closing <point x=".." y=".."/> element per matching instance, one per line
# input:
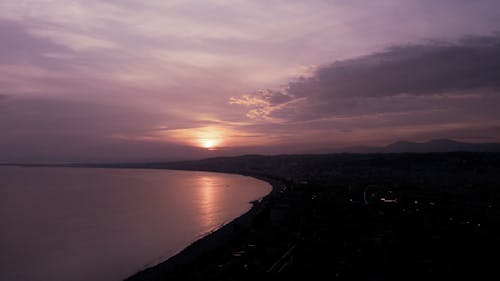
<point x="72" y="224"/>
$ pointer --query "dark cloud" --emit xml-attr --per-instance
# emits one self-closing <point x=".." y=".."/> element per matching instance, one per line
<point x="416" y="69"/>
<point x="409" y="78"/>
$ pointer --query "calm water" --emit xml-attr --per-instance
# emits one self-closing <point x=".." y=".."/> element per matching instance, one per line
<point x="76" y="224"/>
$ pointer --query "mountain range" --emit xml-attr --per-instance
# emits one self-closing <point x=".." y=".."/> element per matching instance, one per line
<point x="438" y="145"/>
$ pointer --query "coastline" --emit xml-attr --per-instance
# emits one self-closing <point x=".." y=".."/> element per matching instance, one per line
<point x="213" y="240"/>
<point x="439" y="221"/>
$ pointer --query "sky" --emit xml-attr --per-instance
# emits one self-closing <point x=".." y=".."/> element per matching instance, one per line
<point x="91" y="81"/>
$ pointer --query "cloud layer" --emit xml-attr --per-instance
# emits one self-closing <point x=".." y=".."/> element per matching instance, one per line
<point x="438" y="86"/>
<point x="91" y="79"/>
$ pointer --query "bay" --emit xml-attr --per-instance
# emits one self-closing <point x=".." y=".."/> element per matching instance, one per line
<point x="106" y="224"/>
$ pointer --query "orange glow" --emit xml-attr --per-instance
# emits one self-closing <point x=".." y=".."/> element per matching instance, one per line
<point x="213" y="137"/>
<point x="209" y="137"/>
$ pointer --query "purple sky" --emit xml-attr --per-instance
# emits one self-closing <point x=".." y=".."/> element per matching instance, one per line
<point x="90" y="80"/>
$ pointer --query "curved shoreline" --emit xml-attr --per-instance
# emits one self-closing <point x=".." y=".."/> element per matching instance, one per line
<point x="213" y="240"/>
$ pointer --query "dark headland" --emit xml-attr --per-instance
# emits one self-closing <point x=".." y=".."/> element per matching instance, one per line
<point x="404" y="216"/>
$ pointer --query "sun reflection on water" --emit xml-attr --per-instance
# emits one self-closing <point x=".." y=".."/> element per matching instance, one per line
<point x="207" y="187"/>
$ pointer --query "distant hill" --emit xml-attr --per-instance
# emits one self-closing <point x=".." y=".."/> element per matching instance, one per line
<point x="440" y="145"/>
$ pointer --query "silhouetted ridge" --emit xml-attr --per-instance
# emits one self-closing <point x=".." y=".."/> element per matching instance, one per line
<point x="437" y="145"/>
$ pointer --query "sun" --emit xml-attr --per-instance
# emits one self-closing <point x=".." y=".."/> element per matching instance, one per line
<point x="208" y="143"/>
